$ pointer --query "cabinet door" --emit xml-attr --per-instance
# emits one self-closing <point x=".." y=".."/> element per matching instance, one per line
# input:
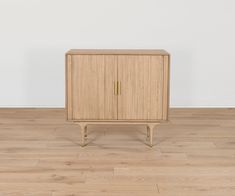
<point x="92" y="79"/>
<point x="141" y="79"/>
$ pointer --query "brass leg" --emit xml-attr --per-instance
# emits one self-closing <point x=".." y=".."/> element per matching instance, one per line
<point x="83" y="130"/>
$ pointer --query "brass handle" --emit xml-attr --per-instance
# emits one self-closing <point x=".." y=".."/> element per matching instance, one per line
<point x="117" y="88"/>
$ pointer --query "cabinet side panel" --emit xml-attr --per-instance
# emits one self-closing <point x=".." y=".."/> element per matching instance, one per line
<point x="166" y="84"/>
<point x="69" y="96"/>
<point x="156" y="87"/>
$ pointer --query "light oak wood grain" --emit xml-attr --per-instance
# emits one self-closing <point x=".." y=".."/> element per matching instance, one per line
<point x="40" y="155"/>
<point x="142" y="93"/>
<point x="166" y="87"/>
<point x="69" y="87"/>
<point x="92" y="87"/>
<point x="116" y="52"/>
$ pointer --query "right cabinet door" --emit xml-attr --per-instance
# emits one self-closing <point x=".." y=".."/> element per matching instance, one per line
<point x="141" y="80"/>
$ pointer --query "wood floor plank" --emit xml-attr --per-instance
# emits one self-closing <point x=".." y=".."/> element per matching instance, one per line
<point x="193" y="154"/>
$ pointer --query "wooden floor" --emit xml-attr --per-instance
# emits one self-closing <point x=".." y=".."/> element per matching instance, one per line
<point x="40" y="155"/>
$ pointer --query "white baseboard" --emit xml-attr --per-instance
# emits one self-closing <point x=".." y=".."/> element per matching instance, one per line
<point x="32" y="106"/>
<point x="202" y="106"/>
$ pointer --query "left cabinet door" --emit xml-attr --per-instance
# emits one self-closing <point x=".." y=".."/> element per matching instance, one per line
<point x="91" y="87"/>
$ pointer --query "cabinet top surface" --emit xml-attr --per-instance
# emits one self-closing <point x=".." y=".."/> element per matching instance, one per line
<point x="117" y="52"/>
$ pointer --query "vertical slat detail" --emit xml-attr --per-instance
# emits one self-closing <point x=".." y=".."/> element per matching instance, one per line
<point x="166" y="88"/>
<point x="69" y="101"/>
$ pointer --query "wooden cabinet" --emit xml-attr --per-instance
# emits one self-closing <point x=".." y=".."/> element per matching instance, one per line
<point x="117" y="86"/>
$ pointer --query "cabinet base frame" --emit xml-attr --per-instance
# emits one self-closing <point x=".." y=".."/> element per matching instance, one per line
<point x="84" y="131"/>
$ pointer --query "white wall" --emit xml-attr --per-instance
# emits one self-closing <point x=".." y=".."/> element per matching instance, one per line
<point x="35" y="34"/>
